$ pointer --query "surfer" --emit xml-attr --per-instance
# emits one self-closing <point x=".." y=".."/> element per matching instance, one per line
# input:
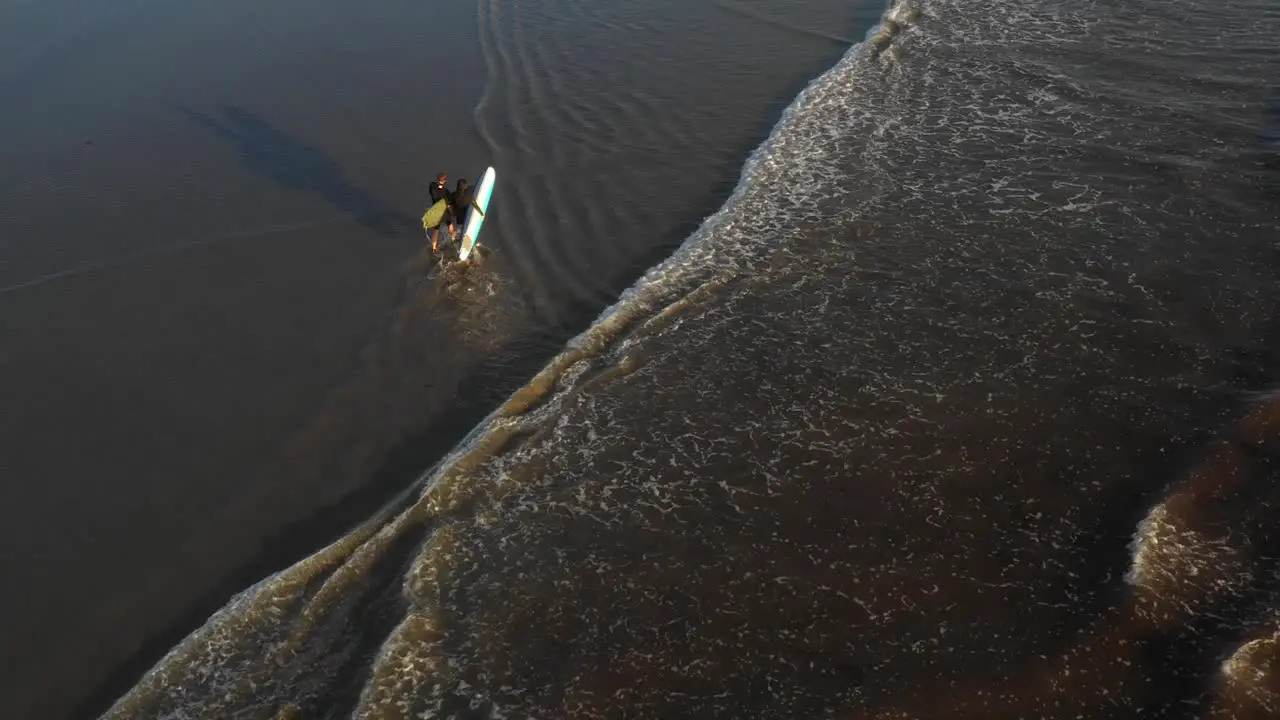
<point x="439" y="192"/>
<point x="464" y="197"/>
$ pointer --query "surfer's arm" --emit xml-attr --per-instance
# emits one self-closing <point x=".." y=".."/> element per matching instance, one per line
<point x="476" y="205"/>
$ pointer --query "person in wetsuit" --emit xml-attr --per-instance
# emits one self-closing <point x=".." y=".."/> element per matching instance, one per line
<point x="464" y="197"/>
<point x="440" y="191"/>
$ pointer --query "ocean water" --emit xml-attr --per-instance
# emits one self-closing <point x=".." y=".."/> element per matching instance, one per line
<point x="963" y="405"/>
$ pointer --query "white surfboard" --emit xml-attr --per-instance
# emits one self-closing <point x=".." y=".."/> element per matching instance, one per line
<point x="474" y="221"/>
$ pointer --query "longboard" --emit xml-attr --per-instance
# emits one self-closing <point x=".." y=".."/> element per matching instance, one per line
<point x="474" y="221"/>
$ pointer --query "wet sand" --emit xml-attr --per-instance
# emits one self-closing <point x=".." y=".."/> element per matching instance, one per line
<point x="201" y="237"/>
<point x="144" y="437"/>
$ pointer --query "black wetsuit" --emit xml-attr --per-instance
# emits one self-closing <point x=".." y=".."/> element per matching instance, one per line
<point x="462" y="200"/>
<point x="441" y="192"/>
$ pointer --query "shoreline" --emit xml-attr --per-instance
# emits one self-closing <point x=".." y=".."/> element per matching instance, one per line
<point x="270" y="173"/>
<point x="411" y="457"/>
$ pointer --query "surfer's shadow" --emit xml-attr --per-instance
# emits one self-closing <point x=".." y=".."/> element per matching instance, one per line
<point x="291" y="162"/>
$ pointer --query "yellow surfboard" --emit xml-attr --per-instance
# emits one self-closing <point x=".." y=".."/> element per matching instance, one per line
<point x="431" y="218"/>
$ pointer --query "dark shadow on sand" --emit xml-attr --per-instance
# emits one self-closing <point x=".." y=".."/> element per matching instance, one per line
<point x="292" y="163"/>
